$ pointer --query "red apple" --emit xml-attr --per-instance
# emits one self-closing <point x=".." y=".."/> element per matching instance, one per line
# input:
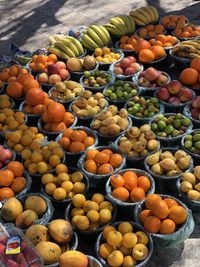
<point x="125" y="63"/>
<point x="52" y="69"/>
<point x="151" y="74"/>
<point x="196" y="102"/>
<point x="5" y="155"/>
<point x="132" y="59"/>
<point x="117" y="65"/>
<point x="118" y="71"/>
<point x="129" y="71"/>
<point x="136" y="66"/>
<point x="174" y="100"/>
<point x="174" y="87"/>
<point x="162" y="80"/>
<point x="64" y="74"/>
<point x="185" y="95"/>
<point x="144" y="82"/>
<point x="163" y="94"/>
<point x="195" y="113"/>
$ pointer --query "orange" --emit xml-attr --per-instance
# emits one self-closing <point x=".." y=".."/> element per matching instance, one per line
<point x="11" y="79"/>
<point x="107" y="151"/>
<point x="144" y="183"/>
<point x="143" y="32"/>
<point x="78" y="135"/>
<point x="128" y="47"/>
<point x="14" y="90"/>
<point x="14" y="70"/>
<point x="162" y="38"/>
<point x="6" y="177"/>
<point x="18" y="184"/>
<point x="116" y="160"/>
<point x="48" y="101"/>
<point x="90" y="154"/>
<point x="41" y="59"/>
<point x="144" y="214"/>
<point x="178" y="32"/>
<point x="39" y="109"/>
<point x="152" y="224"/>
<point x="16" y="167"/>
<point x="121" y="193"/>
<point x="150" y="28"/>
<point x="68" y="118"/>
<point x="76" y="147"/>
<point x="52" y="58"/>
<point x="90" y="166"/>
<point x="160" y="209"/>
<point x="5" y="193"/>
<point x="124" y="39"/>
<point x="22" y="77"/>
<point x="185" y="34"/>
<point x="141" y="45"/>
<point x="170" y="202"/>
<point x="105" y="168"/>
<point x="178" y="214"/>
<point x="35" y="96"/>
<point x="174" y="18"/>
<point x="165" y="20"/>
<point x="102" y="158"/>
<point x="168" y="226"/>
<point x="58" y="126"/>
<point x="130" y="180"/>
<point x="158" y="51"/>
<point x="146" y="55"/>
<point x="4" y="76"/>
<point x="159" y="28"/>
<point x="151" y="199"/>
<point x="189" y="76"/>
<point x="152" y="34"/>
<point x="195" y="64"/>
<point x="89" y="141"/>
<point x="117" y="180"/>
<point x="137" y="194"/>
<point x="65" y="142"/>
<point x="30" y="83"/>
<point x="67" y="133"/>
<point x="56" y="112"/>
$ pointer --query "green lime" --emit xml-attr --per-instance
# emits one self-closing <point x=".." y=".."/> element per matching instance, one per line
<point x="169" y="129"/>
<point x="185" y="122"/>
<point x="87" y="74"/>
<point x="196" y="137"/>
<point x="113" y="96"/>
<point x="197" y="145"/>
<point x="188" y="137"/>
<point x="188" y="144"/>
<point x="177" y="123"/>
<point x="108" y="93"/>
<point x="179" y="116"/>
<point x="133" y="92"/>
<point x="161" y="125"/>
<point x="119" y="93"/>
<point x="119" y="83"/>
<point x="175" y="133"/>
<point x="154" y="127"/>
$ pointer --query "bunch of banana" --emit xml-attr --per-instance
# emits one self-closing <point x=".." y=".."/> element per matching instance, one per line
<point x="121" y="25"/>
<point x="95" y="36"/>
<point x="145" y="15"/>
<point x="187" y="49"/>
<point x="65" y="46"/>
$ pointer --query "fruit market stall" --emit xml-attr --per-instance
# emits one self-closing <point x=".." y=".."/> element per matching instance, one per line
<point x="100" y="144"/>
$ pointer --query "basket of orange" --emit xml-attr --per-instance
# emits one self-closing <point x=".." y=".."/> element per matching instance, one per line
<point x="187" y="32"/>
<point x="124" y="243"/>
<point x="75" y="141"/>
<point x="89" y="214"/>
<point x="63" y="184"/>
<point x="127" y="44"/>
<point x="166" y="218"/>
<point x="171" y="22"/>
<point x="128" y="187"/>
<point x="26" y="210"/>
<point x="14" y="180"/>
<point x="150" y="31"/>
<point x="55" y="120"/>
<point x="166" y="41"/>
<point x="99" y="163"/>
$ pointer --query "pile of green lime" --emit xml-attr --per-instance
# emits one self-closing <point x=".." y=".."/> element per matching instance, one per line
<point x="121" y="90"/>
<point x="96" y="78"/>
<point x="170" y="126"/>
<point x="192" y="142"/>
<point x="143" y="108"/>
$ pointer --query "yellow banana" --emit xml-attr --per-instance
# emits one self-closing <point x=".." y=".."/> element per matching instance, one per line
<point x="76" y="43"/>
<point x="155" y="12"/>
<point x="88" y="42"/>
<point x="95" y="37"/>
<point x="150" y="12"/>
<point x="100" y="33"/>
<point x="71" y="46"/>
<point x="119" y="24"/>
<point x="57" y="52"/>
<point x="144" y="13"/>
<point x="127" y="22"/>
<point x="113" y="29"/>
<point x="60" y="45"/>
<point x="192" y="43"/>
<point x="106" y="32"/>
<point x="137" y="20"/>
<point x="141" y="17"/>
<point x="187" y="48"/>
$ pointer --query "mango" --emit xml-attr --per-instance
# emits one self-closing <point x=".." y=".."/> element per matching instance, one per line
<point x="26" y="219"/>
<point x="73" y="259"/>
<point x="49" y="251"/>
<point x="37" y="204"/>
<point x="37" y="233"/>
<point x="11" y="209"/>
<point x="60" y="230"/>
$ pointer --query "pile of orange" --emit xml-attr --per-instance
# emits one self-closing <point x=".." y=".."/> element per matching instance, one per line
<point x="5" y="101"/>
<point x="164" y="40"/>
<point x="63" y="185"/>
<point x="12" y="180"/>
<point x="128" y="43"/>
<point x="162" y="216"/>
<point x="75" y="140"/>
<point x="36" y="101"/>
<point x="188" y="31"/>
<point x="56" y="119"/>
<point x="151" y="31"/>
<point x="10" y="74"/>
<point x="10" y="119"/>
<point x="130" y="187"/>
<point x="191" y="76"/>
<point x="102" y="162"/>
<point x="40" y="63"/>
<point x="173" y="21"/>
<point x="148" y="53"/>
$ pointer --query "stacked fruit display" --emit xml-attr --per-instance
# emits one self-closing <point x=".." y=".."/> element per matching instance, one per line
<point x="88" y="104"/>
<point x="39" y="63"/>
<point x="63" y="184"/>
<point x="167" y="163"/>
<point x="56" y="72"/>
<point x="123" y="245"/>
<point x="111" y="122"/>
<point x="162" y="215"/>
<point x="190" y="184"/>
<point x="192" y="142"/>
<point x="121" y="90"/>
<point x="142" y="107"/>
<point x="153" y="78"/>
<point x="82" y="64"/>
<point x="65" y="47"/>
<point x="145" y="15"/>
<point x="166" y="41"/>
<point x="127" y="67"/>
<point x="138" y="142"/>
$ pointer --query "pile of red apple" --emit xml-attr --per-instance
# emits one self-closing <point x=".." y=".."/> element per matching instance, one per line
<point x="127" y="66"/>
<point x="55" y="73"/>
<point x="174" y="93"/>
<point x="5" y="156"/>
<point x="195" y="111"/>
<point x="152" y="78"/>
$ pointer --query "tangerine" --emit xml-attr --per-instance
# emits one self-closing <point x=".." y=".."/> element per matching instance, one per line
<point x="151" y="199"/>
<point x="89" y="141"/>
<point x="117" y="180"/>
<point x="189" y="76"/>
<point x="116" y="160"/>
<point x="121" y="193"/>
<point x="152" y="224"/>
<point x="160" y="209"/>
<point x="146" y="55"/>
<point x="90" y="166"/>
<point x="158" y="51"/>
<point x="14" y="90"/>
<point x="16" y="167"/>
<point x="30" y="83"/>
<point x="168" y="226"/>
<point x="170" y="202"/>
<point x="178" y="214"/>
<point x="102" y="157"/>
<point x="18" y="184"/>
<point x="76" y="146"/>
<point x="130" y="180"/>
<point x="144" y="183"/>
<point x="6" y="192"/>
<point x="6" y="177"/>
<point x="137" y="194"/>
<point x="195" y="64"/>
<point x="56" y="112"/>
<point x="105" y="168"/>
<point x="144" y="214"/>
<point x="141" y="45"/>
